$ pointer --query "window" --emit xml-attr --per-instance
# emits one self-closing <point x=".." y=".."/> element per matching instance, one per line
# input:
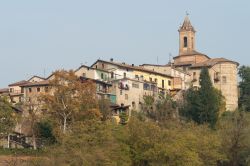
<point x="150" y="79"/>
<point x="46" y="89"/>
<point x="169" y="83"/>
<point x="133" y="104"/>
<point x="185" y="42"/>
<point x="101" y="75"/>
<point x="103" y="65"/>
<point x="112" y="74"/>
<point x="137" y="77"/>
<point x="135" y="85"/>
<point x="30" y="90"/>
<point x="22" y="90"/>
<point x="156" y="80"/>
<point x="38" y="89"/>
<point x="162" y="83"/>
<point x="194" y="75"/>
<point x="216" y="76"/>
<point x="124" y="75"/>
<point x="126" y="96"/>
<point x="11" y="90"/>
<point x="146" y="86"/>
<point x="84" y="74"/>
<point x="224" y="79"/>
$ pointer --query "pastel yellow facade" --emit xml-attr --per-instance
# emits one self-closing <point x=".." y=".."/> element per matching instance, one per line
<point x="163" y="82"/>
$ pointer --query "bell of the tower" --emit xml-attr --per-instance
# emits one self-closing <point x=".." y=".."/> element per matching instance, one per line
<point x="186" y="37"/>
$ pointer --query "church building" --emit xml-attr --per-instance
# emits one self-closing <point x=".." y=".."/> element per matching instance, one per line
<point x="223" y="72"/>
<point x="189" y="62"/>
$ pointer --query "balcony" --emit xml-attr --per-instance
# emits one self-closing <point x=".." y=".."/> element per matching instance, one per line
<point x="123" y="86"/>
<point x="216" y="79"/>
<point x="16" y="92"/>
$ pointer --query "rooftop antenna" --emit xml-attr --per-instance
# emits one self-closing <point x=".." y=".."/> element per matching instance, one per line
<point x="170" y="58"/>
<point x="44" y="72"/>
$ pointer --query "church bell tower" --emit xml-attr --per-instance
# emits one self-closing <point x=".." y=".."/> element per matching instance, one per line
<point x="186" y="37"/>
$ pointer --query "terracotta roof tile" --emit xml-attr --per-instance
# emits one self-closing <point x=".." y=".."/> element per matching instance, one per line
<point x="212" y="62"/>
<point x="19" y="83"/>
<point x="41" y="83"/>
<point x="139" y="68"/>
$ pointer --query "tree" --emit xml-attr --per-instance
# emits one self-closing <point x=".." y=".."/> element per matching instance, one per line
<point x="104" y="107"/>
<point x="159" y="109"/>
<point x="173" y="144"/>
<point x="92" y="142"/>
<point x="70" y="99"/>
<point x="7" y="118"/>
<point x="44" y="130"/>
<point x="204" y="105"/>
<point x="244" y="99"/>
<point x="192" y="105"/>
<point x="32" y="108"/>
<point x="234" y="129"/>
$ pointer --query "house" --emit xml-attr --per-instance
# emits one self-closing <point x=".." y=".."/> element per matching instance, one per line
<point x="181" y="78"/>
<point x="34" y="89"/>
<point x="163" y="81"/>
<point x="16" y="91"/>
<point x="103" y="89"/>
<point x="4" y="92"/>
<point x="93" y="73"/>
<point x="223" y="72"/>
<point x="130" y="92"/>
<point x="36" y="78"/>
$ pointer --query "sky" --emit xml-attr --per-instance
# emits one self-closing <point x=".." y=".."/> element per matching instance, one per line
<point x="38" y="37"/>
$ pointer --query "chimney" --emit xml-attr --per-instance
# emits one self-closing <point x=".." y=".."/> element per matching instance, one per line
<point x="133" y="65"/>
<point x="111" y="59"/>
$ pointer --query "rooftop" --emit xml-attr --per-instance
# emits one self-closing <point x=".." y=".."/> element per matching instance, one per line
<point x="41" y="83"/>
<point x="19" y="83"/>
<point x="212" y="62"/>
<point x="133" y="67"/>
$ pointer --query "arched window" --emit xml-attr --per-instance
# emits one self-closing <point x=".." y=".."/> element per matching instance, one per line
<point x="185" y="42"/>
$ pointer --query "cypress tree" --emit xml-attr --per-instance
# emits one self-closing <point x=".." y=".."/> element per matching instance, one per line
<point x="203" y="105"/>
<point x="210" y="102"/>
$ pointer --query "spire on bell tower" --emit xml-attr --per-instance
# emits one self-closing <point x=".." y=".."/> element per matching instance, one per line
<point x="186" y="37"/>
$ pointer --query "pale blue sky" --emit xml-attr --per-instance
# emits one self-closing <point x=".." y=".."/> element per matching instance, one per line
<point x="53" y="34"/>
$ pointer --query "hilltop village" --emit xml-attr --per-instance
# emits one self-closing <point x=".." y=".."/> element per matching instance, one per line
<point x="126" y="84"/>
<point x="112" y="113"/>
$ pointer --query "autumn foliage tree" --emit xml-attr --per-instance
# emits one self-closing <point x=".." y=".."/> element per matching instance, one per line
<point x="32" y="112"/>
<point x="70" y="99"/>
